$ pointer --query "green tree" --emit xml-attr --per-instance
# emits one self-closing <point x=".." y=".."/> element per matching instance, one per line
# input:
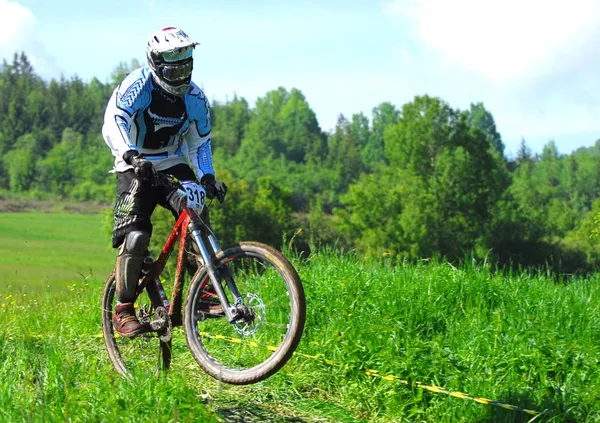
<point x="55" y="100"/>
<point x="459" y="180"/>
<point x="388" y="211"/>
<point x="3" y="176"/>
<point x="524" y="153"/>
<point x="384" y="116"/>
<point x="259" y="212"/>
<point x="58" y="170"/>
<point x="482" y="119"/>
<point x="303" y="139"/>
<point x="122" y="70"/>
<point x="284" y="125"/>
<point x="20" y="164"/>
<point x="360" y="130"/>
<point x="229" y="124"/>
<point x="344" y="154"/>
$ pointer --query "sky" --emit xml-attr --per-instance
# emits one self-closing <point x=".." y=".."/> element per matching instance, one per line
<point x="532" y="63"/>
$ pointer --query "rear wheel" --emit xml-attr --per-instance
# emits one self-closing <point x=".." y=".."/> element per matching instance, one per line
<point x="142" y="355"/>
<point x="274" y="312"/>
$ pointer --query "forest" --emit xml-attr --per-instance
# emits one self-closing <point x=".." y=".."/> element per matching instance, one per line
<point x="421" y="180"/>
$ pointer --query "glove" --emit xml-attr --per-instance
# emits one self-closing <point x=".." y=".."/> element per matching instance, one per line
<point x="142" y="167"/>
<point x="214" y="189"/>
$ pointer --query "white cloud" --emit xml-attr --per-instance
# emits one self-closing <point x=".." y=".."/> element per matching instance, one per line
<point x="16" y="23"/>
<point x="18" y="33"/>
<point x="502" y="39"/>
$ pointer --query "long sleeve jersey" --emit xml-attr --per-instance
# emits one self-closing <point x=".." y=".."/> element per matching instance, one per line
<point x="166" y="129"/>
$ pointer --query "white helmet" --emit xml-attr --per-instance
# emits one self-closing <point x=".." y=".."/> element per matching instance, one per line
<point x="170" y="59"/>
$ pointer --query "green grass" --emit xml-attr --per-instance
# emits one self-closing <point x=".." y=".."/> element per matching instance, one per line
<point x="520" y="339"/>
<point x="39" y="249"/>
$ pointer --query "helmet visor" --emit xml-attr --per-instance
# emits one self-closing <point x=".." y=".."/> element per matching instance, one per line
<point x="178" y="55"/>
<point x="177" y="72"/>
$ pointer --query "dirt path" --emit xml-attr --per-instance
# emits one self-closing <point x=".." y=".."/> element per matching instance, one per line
<point x="55" y="206"/>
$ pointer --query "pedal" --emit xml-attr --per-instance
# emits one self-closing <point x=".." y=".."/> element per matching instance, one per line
<point x="162" y="324"/>
<point x="143" y="316"/>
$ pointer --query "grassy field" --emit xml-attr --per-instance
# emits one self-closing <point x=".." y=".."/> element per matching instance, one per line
<point x="520" y="339"/>
<point x="39" y="249"/>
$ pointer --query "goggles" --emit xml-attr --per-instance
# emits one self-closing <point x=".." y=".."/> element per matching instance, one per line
<point x="176" y="64"/>
<point x="176" y="72"/>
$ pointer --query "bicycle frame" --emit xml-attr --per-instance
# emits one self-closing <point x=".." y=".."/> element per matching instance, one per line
<point x="187" y="223"/>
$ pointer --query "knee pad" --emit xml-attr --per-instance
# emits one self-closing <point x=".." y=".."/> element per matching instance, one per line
<point x="129" y="264"/>
<point x="135" y="243"/>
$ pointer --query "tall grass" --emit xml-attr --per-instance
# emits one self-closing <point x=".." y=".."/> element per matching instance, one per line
<point x="520" y="339"/>
<point x="54" y="367"/>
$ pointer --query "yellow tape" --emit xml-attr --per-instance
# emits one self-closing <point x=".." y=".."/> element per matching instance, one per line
<point x="393" y="378"/>
<point x="390" y="378"/>
<point x="440" y="390"/>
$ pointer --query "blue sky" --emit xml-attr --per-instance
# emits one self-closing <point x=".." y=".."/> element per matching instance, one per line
<point x="533" y="63"/>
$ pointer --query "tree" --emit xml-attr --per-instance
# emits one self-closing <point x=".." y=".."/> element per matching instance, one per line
<point x="259" y="211"/>
<point x="284" y="125"/>
<point x="388" y="211"/>
<point x="55" y="100"/>
<point x="302" y="136"/>
<point x="229" y="124"/>
<point x="384" y="116"/>
<point x="20" y="164"/>
<point x="58" y="170"/>
<point x="448" y="182"/>
<point x="360" y="130"/>
<point x="482" y="119"/>
<point x="121" y="71"/>
<point x="344" y="154"/>
<point x="524" y="153"/>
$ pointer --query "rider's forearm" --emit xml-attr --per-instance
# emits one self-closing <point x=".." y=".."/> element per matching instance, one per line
<point x="200" y="153"/>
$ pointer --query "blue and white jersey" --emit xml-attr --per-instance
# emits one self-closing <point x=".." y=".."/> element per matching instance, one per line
<point x="164" y="128"/>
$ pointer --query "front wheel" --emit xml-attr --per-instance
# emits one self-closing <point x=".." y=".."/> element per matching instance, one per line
<point x="257" y="345"/>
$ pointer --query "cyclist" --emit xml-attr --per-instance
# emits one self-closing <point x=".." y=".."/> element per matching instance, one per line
<point x="157" y="120"/>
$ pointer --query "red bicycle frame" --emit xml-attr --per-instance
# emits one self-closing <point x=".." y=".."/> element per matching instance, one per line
<point x="151" y="280"/>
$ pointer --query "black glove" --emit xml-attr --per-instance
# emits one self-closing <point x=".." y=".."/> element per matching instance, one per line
<point x="142" y="167"/>
<point x="214" y="189"/>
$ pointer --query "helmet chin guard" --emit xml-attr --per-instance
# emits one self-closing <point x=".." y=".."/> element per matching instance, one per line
<point x="169" y="55"/>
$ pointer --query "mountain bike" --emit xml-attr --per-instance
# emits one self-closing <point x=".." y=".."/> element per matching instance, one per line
<point x="244" y="310"/>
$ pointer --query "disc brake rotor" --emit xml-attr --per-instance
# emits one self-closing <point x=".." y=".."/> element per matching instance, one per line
<point x="257" y="313"/>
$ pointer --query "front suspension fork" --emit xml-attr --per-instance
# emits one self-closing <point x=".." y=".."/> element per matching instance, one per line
<point x="231" y="311"/>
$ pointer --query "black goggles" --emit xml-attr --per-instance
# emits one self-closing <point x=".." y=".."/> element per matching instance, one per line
<point x="177" y="72"/>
